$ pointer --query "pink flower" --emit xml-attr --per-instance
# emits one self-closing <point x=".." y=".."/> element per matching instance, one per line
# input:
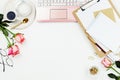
<point x="106" y="62"/>
<point x="13" y="50"/>
<point x="19" y="38"/>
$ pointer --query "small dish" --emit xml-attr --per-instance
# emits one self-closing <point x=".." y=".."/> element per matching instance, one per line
<point x="22" y="9"/>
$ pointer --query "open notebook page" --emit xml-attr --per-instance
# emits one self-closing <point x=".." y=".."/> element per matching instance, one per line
<point x="106" y="31"/>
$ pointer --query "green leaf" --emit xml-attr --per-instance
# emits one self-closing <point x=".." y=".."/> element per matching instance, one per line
<point x="4" y="24"/>
<point x="1" y="17"/>
<point x="118" y="78"/>
<point x="0" y="27"/>
<point x="5" y="32"/>
<point x="6" y="21"/>
<point x="117" y="63"/>
<point x="111" y="75"/>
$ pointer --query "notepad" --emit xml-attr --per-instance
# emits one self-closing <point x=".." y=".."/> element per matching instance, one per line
<point x="87" y="16"/>
<point x="106" y="31"/>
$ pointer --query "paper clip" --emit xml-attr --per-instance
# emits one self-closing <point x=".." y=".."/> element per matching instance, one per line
<point x="88" y="4"/>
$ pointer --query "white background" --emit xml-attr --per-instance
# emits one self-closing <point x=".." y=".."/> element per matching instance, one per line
<point x="54" y="51"/>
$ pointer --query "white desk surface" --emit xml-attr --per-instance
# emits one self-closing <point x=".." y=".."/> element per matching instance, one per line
<point x="54" y="51"/>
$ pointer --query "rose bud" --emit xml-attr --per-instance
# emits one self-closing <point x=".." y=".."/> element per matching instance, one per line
<point x="106" y="62"/>
<point x="13" y="50"/>
<point x="19" y="38"/>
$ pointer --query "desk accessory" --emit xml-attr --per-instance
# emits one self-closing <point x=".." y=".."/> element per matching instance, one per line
<point x="11" y="15"/>
<point x="88" y="4"/>
<point x="22" y="22"/>
<point x="22" y="9"/>
<point x="85" y="19"/>
<point x="93" y="70"/>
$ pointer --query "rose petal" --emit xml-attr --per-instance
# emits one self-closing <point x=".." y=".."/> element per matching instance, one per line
<point x="106" y="62"/>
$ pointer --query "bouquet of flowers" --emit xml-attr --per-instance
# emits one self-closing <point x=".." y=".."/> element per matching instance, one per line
<point x="12" y="49"/>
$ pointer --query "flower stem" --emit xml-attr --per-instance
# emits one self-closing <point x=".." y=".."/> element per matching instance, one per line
<point x="9" y="43"/>
<point x="115" y="70"/>
<point x="10" y="31"/>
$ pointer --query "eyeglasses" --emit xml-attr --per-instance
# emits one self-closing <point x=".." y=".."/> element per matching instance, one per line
<point x="5" y="59"/>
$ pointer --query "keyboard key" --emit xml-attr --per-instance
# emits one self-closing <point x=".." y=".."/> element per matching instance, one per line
<point x="61" y="2"/>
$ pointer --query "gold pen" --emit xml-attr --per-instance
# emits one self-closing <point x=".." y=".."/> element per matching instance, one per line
<point x="93" y="41"/>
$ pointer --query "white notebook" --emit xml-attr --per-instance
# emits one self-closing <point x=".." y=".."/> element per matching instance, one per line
<point x="106" y="31"/>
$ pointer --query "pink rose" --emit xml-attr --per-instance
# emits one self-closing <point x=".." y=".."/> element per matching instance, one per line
<point x="106" y="62"/>
<point x="13" y="50"/>
<point x="19" y="38"/>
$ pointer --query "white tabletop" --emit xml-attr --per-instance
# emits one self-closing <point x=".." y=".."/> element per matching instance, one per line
<point x="54" y="51"/>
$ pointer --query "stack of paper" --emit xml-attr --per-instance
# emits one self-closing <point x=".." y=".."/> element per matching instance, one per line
<point x="106" y="32"/>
